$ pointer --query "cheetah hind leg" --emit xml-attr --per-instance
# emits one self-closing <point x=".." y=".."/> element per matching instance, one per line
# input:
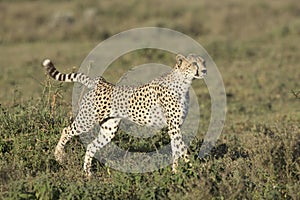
<point x="107" y="132"/>
<point x="59" y="150"/>
<point x="83" y="122"/>
<point x="76" y="128"/>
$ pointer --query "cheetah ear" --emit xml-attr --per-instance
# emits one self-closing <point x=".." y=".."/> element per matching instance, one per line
<point x="179" y="59"/>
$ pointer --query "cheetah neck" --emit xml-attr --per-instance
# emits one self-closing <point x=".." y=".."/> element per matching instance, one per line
<point x="178" y="81"/>
<point x="182" y="78"/>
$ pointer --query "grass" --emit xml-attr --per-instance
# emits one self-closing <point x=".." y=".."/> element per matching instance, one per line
<point x="255" y="46"/>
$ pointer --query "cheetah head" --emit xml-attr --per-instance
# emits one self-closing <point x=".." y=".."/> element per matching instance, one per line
<point x="192" y="66"/>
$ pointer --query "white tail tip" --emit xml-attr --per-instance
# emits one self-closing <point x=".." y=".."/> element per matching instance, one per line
<point x="46" y="62"/>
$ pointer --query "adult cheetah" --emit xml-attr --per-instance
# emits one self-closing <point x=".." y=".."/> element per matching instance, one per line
<point x="161" y="102"/>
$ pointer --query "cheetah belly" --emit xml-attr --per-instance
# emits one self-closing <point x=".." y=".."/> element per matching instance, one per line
<point x="139" y="106"/>
<point x="154" y="117"/>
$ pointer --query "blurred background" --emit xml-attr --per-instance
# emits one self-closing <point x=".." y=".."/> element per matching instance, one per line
<point x="256" y="40"/>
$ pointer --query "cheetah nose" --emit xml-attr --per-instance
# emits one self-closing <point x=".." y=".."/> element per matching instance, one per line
<point x="204" y="71"/>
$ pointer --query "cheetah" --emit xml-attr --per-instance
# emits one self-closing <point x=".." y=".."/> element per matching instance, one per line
<point x="163" y="102"/>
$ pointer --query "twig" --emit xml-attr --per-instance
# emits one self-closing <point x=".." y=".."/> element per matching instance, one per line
<point x="296" y="93"/>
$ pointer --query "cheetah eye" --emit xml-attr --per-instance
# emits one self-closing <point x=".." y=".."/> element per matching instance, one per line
<point x="195" y="63"/>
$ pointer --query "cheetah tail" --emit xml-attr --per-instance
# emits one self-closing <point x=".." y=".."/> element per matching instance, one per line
<point x="71" y="77"/>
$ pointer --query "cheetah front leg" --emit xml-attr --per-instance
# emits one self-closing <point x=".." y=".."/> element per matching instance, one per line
<point x="179" y="149"/>
<point x="107" y="132"/>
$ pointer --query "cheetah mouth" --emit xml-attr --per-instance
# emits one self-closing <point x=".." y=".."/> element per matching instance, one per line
<point x="197" y="76"/>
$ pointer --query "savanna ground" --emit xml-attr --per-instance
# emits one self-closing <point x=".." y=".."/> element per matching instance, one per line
<point x="255" y="44"/>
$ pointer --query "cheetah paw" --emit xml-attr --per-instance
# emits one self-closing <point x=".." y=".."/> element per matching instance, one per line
<point x="59" y="155"/>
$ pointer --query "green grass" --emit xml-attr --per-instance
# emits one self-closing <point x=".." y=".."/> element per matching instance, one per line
<point x="255" y="44"/>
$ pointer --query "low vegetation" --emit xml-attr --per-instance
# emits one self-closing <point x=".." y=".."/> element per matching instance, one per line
<point x="255" y="44"/>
